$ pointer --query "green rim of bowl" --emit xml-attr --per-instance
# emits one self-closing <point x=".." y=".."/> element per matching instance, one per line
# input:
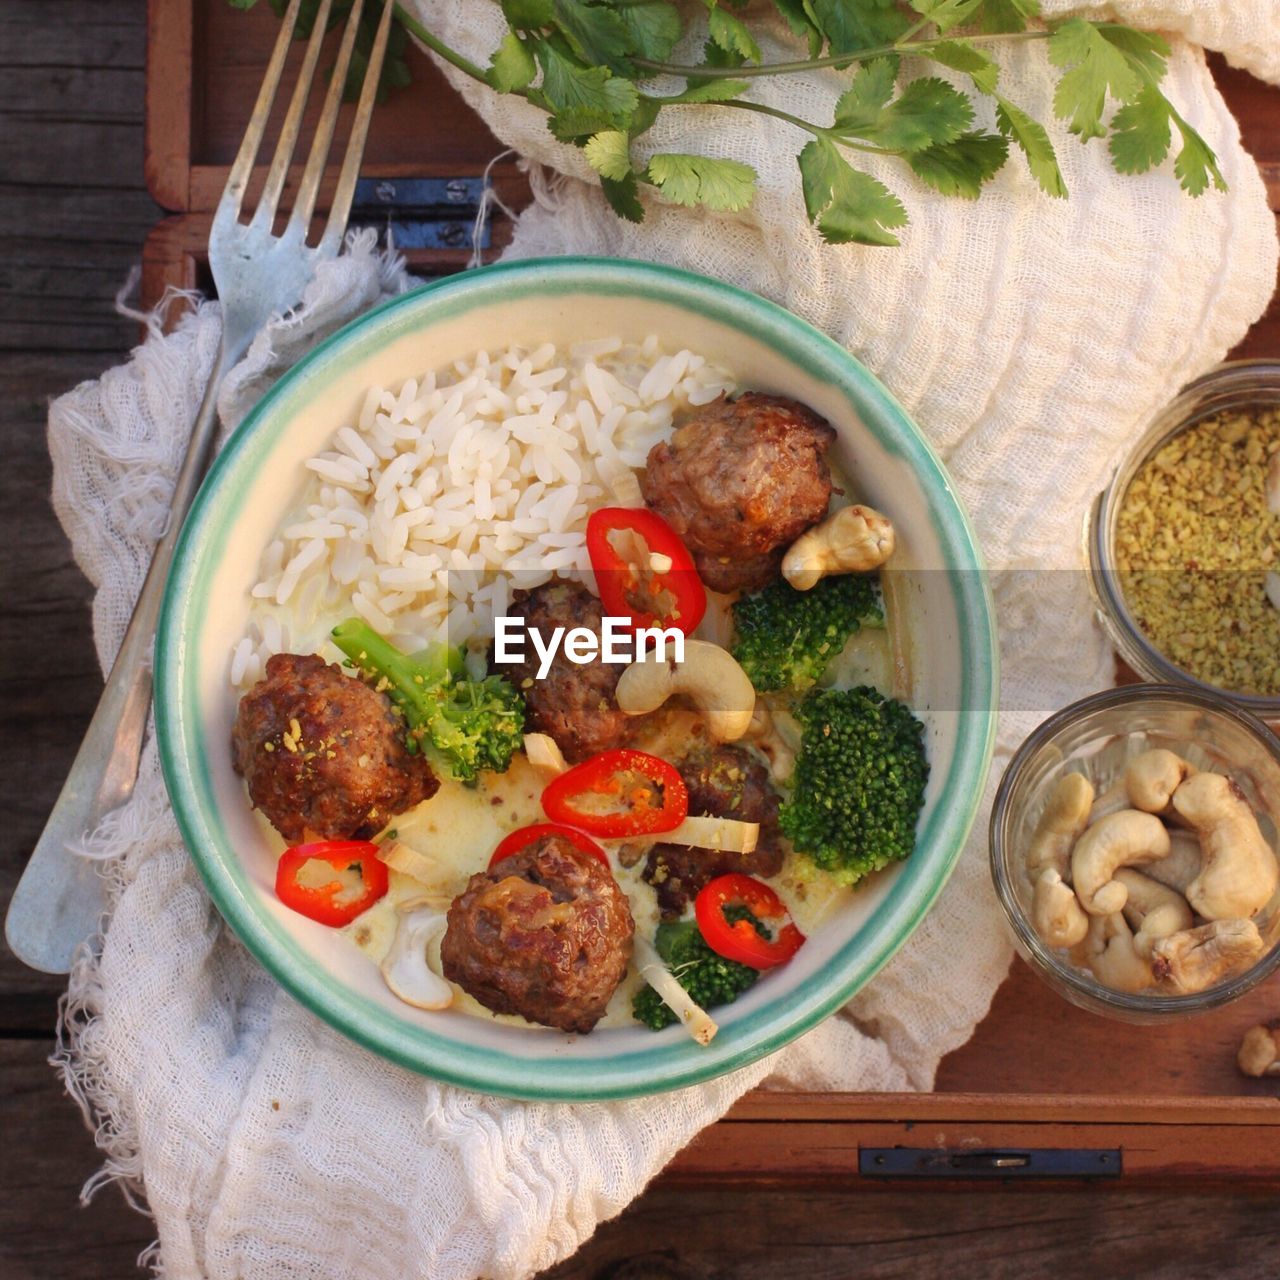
<point x="672" y="1060"/>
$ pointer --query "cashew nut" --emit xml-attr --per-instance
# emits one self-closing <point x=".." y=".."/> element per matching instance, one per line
<point x="709" y="677"/>
<point x="1114" y="799"/>
<point x="1240" y="871"/>
<point x="1125" y="839"/>
<point x="1259" y="1053"/>
<point x="1153" y="777"/>
<point x="1182" y="864"/>
<point x="1114" y="959"/>
<point x="852" y="540"/>
<point x="405" y="968"/>
<point x="1152" y="908"/>
<point x="1055" y="912"/>
<point x="1064" y="817"/>
<point x="1197" y="958"/>
<point x="761" y="726"/>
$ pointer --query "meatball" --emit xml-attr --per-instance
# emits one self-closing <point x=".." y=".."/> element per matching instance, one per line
<point x="573" y="702"/>
<point x="323" y="753"/>
<point x="739" y="482"/>
<point x="723" y="782"/>
<point x="546" y="933"/>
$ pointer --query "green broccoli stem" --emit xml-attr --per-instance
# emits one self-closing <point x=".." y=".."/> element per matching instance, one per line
<point x="374" y="656"/>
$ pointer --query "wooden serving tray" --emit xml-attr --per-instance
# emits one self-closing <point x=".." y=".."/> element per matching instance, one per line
<point x="1043" y="1089"/>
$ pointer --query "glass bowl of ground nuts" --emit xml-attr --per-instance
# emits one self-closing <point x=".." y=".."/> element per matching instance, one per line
<point x="1184" y="542"/>
<point x="1134" y="851"/>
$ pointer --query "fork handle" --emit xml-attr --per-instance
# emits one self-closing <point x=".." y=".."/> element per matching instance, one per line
<point x="60" y="897"/>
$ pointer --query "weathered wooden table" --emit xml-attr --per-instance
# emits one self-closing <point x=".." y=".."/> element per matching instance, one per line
<point x="774" y="1190"/>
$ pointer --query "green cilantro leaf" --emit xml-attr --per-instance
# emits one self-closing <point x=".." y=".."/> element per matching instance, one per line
<point x="528" y="15"/>
<point x="928" y="111"/>
<point x="1097" y="68"/>
<point x="724" y="185"/>
<point x="959" y="168"/>
<point x="847" y="205"/>
<point x="644" y="115"/>
<point x="863" y="102"/>
<point x="512" y="65"/>
<point x="597" y="35"/>
<point x="395" y="71"/>
<point x="850" y="25"/>
<point x="1145" y="51"/>
<point x="1034" y="142"/>
<point x="960" y="55"/>
<point x="582" y="93"/>
<point x="1196" y="164"/>
<point x="1140" y="133"/>
<point x="714" y="56"/>
<point x="623" y="196"/>
<point x="395" y="75"/>
<point x="945" y="14"/>
<point x="1008" y="15"/>
<point x="796" y="15"/>
<point x="609" y="154"/>
<point x="574" y="124"/>
<point x="731" y="34"/>
<point x="653" y="27"/>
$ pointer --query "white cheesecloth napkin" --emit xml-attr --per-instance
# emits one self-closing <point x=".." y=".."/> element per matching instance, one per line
<point x="1028" y="337"/>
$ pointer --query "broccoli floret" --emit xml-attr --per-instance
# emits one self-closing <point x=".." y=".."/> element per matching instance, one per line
<point x="469" y="725"/>
<point x="785" y="637"/>
<point x="709" y="978"/>
<point x="859" y="781"/>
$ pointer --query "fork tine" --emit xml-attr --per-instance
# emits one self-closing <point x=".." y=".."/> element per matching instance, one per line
<point x="238" y="178"/>
<point x="314" y="172"/>
<point x="345" y="193"/>
<point x="265" y="213"/>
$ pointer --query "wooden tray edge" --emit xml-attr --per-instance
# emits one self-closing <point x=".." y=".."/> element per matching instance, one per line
<point x="168" y="107"/>
<point x="767" y="1106"/>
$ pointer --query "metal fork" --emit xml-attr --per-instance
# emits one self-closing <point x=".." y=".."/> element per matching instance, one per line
<point x="60" y="897"/>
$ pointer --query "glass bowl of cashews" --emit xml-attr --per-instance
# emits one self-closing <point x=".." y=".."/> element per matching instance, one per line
<point x="1134" y="851"/>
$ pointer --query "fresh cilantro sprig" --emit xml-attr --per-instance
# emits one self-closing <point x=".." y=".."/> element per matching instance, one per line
<point x="596" y="67"/>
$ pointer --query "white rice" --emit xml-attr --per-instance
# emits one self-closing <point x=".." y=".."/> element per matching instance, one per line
<point x="454" y="489"/>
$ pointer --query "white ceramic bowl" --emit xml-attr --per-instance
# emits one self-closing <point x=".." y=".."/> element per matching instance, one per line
<point x="256" y="478"/>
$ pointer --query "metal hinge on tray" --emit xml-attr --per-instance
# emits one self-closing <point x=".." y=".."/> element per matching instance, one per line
<point x="957" y="1162"/>
<point x="422" y="213"/>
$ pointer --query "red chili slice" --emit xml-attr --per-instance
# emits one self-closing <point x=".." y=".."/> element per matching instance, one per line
<point x="629" y="585"/>
<point x="619" y="793"/>
<point x="327" y="902"/>
<point x="521" y="838"/>
<point x="740" y="940"/>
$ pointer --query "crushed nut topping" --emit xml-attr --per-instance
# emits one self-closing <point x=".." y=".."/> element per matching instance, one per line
<point x="1195" y="540"/>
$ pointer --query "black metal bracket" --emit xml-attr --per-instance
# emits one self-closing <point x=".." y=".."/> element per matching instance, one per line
<point x="422" y="213"/>
<point x="953" y="1162"/>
